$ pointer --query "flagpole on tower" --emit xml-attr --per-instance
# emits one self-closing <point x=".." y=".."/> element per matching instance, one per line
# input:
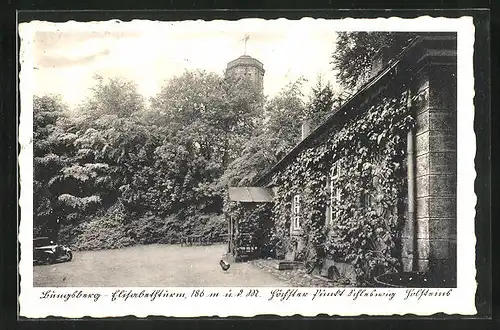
<point x="245" y="39"/>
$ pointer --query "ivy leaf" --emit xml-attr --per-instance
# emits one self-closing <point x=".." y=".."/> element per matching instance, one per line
<point x="380" y="137"/>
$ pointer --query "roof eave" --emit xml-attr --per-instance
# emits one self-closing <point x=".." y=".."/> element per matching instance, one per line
<point x="265" y="178"/>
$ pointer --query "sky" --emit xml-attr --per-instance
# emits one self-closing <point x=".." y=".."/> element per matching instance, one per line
<point x="66" y="56"/>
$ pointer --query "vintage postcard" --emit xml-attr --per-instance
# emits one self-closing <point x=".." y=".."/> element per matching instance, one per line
<point x="239" y="168"/>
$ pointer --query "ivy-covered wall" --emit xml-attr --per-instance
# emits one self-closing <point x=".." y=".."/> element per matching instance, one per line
<point x="368" y="216"/>
<point x="356" y="217"/>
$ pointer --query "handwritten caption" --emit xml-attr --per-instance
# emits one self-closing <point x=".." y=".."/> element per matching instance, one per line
<point x="124" y="295"/>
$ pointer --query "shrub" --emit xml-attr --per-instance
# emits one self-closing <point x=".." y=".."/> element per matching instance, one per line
<point x="150" y="229"/>
<point x="102" y="233"/>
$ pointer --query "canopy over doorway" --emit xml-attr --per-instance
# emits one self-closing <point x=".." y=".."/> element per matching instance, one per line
<point x="251" y="194"/>
<point x="243" y="244"/>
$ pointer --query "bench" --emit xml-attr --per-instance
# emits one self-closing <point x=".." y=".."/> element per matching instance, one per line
<point x="196" y="240"/>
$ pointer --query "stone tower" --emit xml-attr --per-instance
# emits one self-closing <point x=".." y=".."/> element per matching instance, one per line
<point x="247" y="67"/>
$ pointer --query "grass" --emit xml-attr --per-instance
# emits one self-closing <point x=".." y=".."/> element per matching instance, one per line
<point x="152" y="266"/>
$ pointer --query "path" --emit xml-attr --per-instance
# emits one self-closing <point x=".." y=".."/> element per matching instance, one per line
<point x="154" y="266"/>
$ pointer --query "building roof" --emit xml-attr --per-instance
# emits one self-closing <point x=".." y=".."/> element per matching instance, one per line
<point x="348" y="109"/>
<point x="246" y="60"/>
<point x="250" y="194"/>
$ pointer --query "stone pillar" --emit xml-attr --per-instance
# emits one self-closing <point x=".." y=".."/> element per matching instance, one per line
<point x="436" y="169"/>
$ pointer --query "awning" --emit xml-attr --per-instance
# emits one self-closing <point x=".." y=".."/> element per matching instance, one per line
<point x="250" y="194"/>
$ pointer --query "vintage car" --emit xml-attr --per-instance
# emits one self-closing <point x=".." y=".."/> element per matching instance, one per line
<point x="46" y="251"/>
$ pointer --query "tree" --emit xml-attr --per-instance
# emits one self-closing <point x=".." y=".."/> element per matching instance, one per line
<point x="322" y="101"/>
<point x="111" y="132"/>
<point x="215" y="112"/>
<point x="113" y="96"/>
<point x="272" y="140"/>
<point x="48" y="113"/>
<point x="195" y="125"/>
<point x="257" y="156"/>
<point x="81" y="162"/>
<point x="356" y="51"/>
<point x="284" y="114"/>
<point x="111" y="153"/>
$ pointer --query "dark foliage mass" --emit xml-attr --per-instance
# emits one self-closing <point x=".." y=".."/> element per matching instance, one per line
<point x="118" y="171"/>
<point x="356" y="52"/>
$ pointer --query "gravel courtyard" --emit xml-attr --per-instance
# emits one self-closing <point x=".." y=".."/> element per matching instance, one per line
<point x="154" y="266"/>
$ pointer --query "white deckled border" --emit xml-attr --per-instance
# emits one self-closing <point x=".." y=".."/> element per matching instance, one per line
<point x="461" y="300"/>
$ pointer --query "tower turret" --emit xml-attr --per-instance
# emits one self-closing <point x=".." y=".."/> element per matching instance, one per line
<point x="249" y="68"/>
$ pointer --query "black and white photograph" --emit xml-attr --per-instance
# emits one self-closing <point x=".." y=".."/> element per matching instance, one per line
<point x="288" y="159"/>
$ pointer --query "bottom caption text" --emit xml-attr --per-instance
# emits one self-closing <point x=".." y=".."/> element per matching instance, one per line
<point x="282" y="295"/>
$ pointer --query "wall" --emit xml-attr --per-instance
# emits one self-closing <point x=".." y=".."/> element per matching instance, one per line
<point x="431" y="244"/>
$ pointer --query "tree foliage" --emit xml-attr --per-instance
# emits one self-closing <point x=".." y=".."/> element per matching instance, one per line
<point x="114" y="96"/>
<point x="151" y="173"/>
<point x="68" y="178"/>
<point x="323" y="100"/>
<point x="278" y="133"/>
<point x="47" y="113"/>
<point x="355" y="53"/>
